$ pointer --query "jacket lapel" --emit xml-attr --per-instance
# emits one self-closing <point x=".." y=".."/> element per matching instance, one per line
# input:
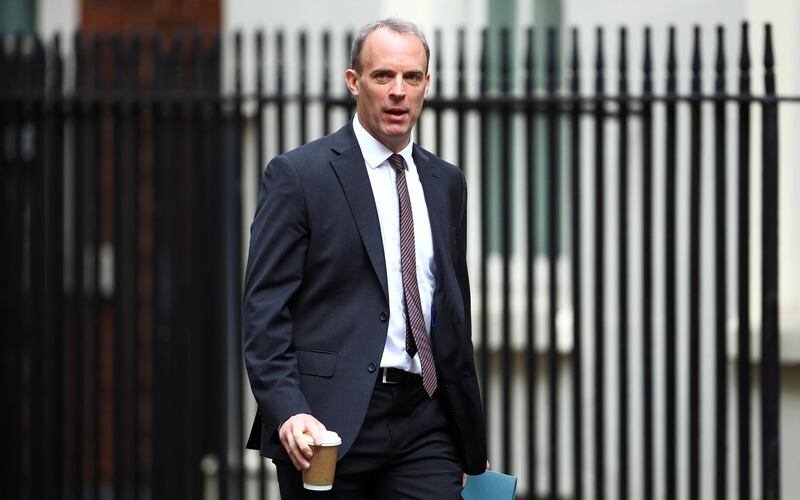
<point x="436" y="202"/>
<point x="352" y="173"/>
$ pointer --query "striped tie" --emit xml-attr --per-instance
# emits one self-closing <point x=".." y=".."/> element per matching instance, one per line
<point x="417" y="340"/>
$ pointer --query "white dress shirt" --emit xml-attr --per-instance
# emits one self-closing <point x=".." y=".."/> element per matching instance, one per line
<point x="384" y="189"/>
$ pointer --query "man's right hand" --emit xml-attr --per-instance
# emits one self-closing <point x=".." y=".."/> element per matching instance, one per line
<point x="291" y="436"/>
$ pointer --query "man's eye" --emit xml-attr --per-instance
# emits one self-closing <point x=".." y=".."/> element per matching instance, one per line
<point x="414" y="77"/>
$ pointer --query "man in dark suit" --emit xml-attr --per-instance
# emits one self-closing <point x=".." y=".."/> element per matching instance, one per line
<point x="357" y="303"/>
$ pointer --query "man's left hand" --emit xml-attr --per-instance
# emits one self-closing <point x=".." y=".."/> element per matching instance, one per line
<point x="464" y="476"/>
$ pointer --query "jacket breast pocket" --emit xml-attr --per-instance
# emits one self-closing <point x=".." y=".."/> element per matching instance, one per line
<point x="316" y="362"/>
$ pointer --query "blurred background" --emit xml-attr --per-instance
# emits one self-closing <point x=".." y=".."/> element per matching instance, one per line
<point x="633" y="228"/>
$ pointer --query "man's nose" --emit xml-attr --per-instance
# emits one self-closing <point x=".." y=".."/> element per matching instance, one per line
<point x="398" y="88"/>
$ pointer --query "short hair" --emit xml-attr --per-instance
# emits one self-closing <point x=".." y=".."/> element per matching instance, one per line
<point x="396" y="25"/>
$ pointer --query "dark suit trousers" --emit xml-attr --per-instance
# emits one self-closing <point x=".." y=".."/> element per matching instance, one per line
<point x="403" y="451"/>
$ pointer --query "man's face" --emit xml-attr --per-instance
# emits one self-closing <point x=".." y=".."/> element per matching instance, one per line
<point x="391" y="86"/>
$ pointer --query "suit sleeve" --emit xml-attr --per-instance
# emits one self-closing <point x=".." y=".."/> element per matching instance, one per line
<point x="278" y="245"/>
<point x="461" y="259"/>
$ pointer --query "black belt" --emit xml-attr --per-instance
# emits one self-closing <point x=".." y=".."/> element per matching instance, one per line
<point x="398" y="376"/>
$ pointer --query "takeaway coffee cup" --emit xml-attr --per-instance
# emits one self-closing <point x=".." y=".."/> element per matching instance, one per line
<point x="319" y="477"/>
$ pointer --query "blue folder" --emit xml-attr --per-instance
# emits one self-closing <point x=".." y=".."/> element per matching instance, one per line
<point x="490" y="485"/>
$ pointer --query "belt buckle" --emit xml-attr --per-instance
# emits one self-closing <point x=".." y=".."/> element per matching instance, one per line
<point x="384" y="371"/>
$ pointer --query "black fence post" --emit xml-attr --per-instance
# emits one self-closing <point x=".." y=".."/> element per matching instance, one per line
<point x="599" y="270"/>
<point x="484" y="355"/>
<point x="126" y="161"/>
<point x="303" y="95"/>
<point x="721" y="282"/>
<point x="553" y="252"/>
<point x="531" y="358"/>
<point x="505" y="237"/>
<point x="576" y="195"/>
<point x="696" y="177"/>
<point x="770" y="337"/>
<point x="648" y="323"/>
<point x="280" y="99"/>
<point x="438" y="84"/>
<point x="326" y="82"/>
<point x="54" y="199"/>
<point x="623" y="306"/>
<point x="744" y="411"/>
<point x="670" y="333"/>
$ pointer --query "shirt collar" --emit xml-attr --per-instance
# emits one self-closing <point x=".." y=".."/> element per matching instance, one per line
<point x="375" y="153"/>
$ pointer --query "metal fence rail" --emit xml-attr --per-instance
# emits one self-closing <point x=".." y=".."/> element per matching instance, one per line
<point x="122" y="221"/>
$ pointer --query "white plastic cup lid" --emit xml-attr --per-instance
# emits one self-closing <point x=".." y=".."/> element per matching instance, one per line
<point x="329" y="438"/>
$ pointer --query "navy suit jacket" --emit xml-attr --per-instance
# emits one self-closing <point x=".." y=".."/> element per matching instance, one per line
<point x="316" y="302"/>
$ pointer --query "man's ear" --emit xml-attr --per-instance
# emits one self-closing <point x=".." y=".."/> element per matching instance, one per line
<point x="427" y="84"/>
<point x="351" y="79"/>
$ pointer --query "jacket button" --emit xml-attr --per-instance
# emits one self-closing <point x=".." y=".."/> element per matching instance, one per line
<point x="384" y="317"/>
<point x="372" y="367"/>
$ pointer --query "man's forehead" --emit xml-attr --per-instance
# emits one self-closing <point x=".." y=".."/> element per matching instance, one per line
<point x="387" y="42"/>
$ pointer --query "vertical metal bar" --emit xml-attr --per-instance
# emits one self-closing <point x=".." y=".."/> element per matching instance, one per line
<point x="303" y="104"/>
<point x="721" y="294"/>
<point x="233" y="270"/>
<point x="438" y="84"/>
<point x="326" y="82"/>
<point x="78" y="296"/>
<point x="505" y="204"/>
<point x="351" y="102"/>
<point x="670" y="292"/>
<point x="42" y="352"/>
<point x="599" y="270"/>
<point x="79" y="300"/>
<point x="34" y="288"/>
<point x="743" y="263"/>
<point x="577" y="314"/>
<point x="418" y="136"/>
<point x="20" y="281"/>
<point x="125" y="120"/>
<point x="54" y="197"/>
<point x="195" y="115"/>
<point x="531" y="363"/>
<point x="694" y="272"/>
<point x="553" y="251"/>
<point x="647" y="269"/>
<point x="623" y="306"/>
<point x="484" y="277"/>
<point x="461" y="89"/>
<point x="93" y="215"/>
<point x="132" y="223"/>
<point x="197" y="374"/>
<point x="770" y="338"/>
<point x="215" y="155"/>
<point x="10" y="285"/>
<point x="9" y="291"/>
<point x="168" y="365"/>
<point x="120" y="423"/>
<point x="259" y="118"/>
<point x="280" y="100"/>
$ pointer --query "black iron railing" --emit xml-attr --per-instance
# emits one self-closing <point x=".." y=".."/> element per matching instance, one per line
<point x="123" y="215"/>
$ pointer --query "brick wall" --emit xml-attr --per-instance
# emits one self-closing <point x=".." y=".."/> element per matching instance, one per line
<point x="143" y="15"/>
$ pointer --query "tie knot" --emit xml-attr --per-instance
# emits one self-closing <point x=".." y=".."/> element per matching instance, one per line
<point x="397" y="162"/>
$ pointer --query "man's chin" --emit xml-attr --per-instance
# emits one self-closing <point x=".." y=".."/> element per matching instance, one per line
<point x="395" y="134"/>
